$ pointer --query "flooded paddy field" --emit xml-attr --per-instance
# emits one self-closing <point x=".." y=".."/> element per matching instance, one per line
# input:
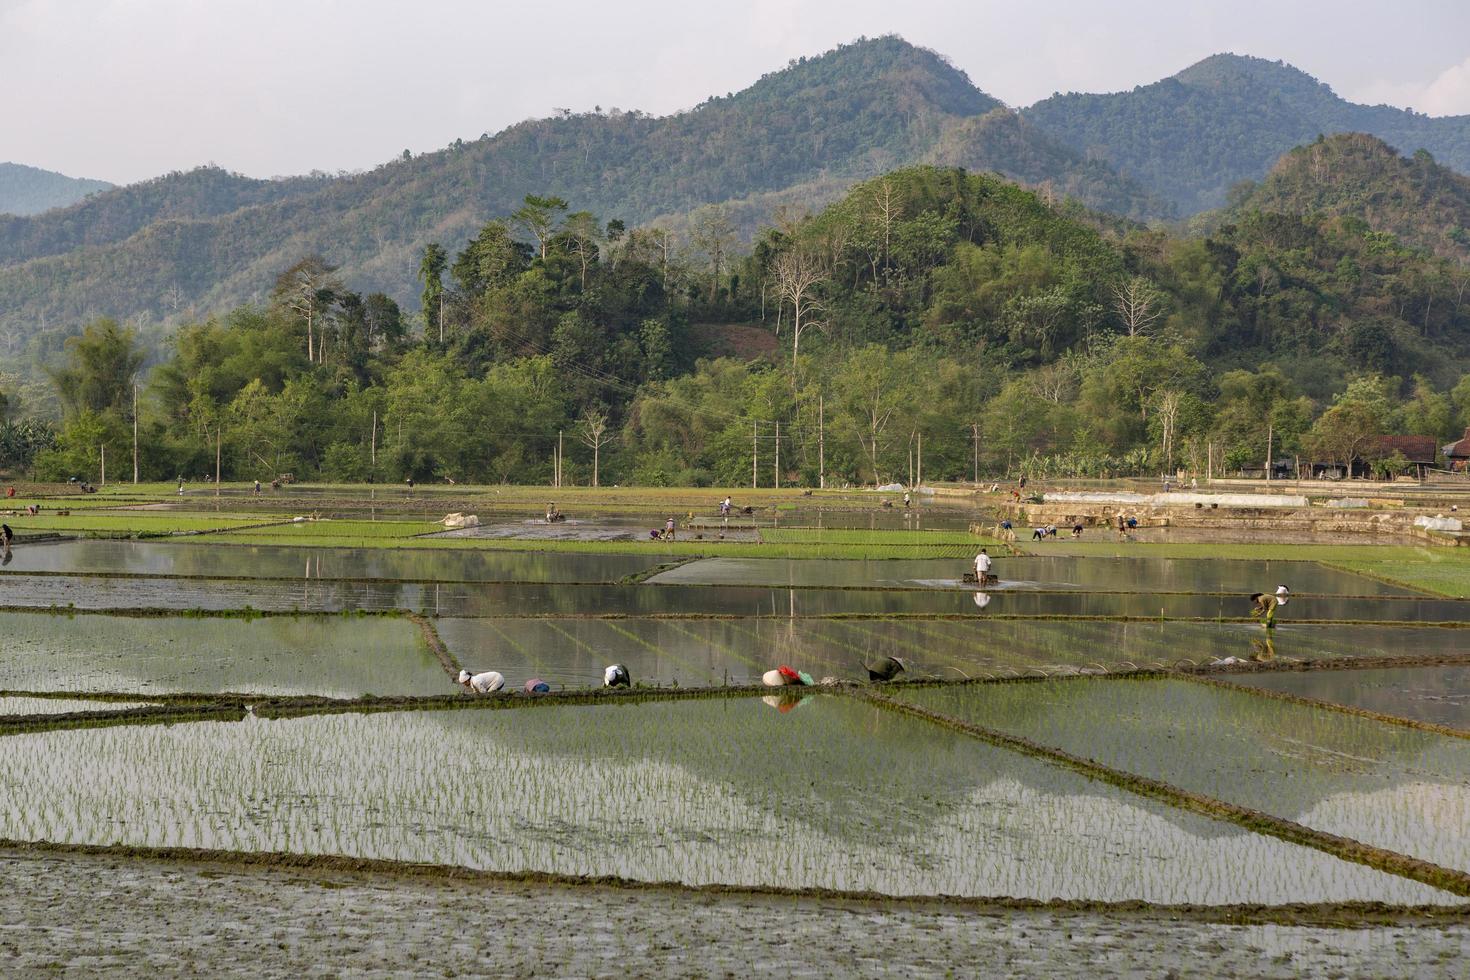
<point x="830" y="791"/>
<point x="607" y="599"/>
<point x="335" y="656"/>
<point x="1438" y="695"/>
<point x="572" y="651"/>
<point x="699" y="793"/>
<point x="1392" y="787"/>
<point x="1047" y="572"/>
<point x="149" y="558"/>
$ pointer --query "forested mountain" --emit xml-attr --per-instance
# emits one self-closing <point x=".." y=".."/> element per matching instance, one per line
<point x="30" y="190"/>
<point x="1226" y="119"/>
<point x="1008" y="332"/>
<point x="208" y="240"/>
<point x="102" y="219"/>
<point x="1354" y="175"/>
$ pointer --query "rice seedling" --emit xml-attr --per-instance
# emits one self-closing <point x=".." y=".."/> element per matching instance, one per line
<point x="1390" y="787"/>
<point x="834" y="794"/>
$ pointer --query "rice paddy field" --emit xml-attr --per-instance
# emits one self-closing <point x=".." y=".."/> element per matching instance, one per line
<point x="267" y="685"/>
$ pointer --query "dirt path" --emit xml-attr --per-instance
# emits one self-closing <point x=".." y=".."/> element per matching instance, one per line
<point x="64" y="914"/>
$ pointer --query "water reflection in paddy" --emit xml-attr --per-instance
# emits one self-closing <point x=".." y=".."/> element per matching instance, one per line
<point x="1440" y="695"/>
<point x="492" y="599"/>
<point x="283" y="561"/>
<point x="1037" y="572"/>
<point x="1382" y="784"/>
<point x="573" y="652"/>
<point x="833" y="794"/>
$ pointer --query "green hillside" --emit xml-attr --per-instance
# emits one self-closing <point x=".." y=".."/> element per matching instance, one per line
<point x="1355" y="175"/>
<point x="1228" y="118"/>
<point x="857" y="111"/>
<point x="30" y="190"/>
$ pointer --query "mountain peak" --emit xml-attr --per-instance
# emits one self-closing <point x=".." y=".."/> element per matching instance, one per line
<point x="867" y="62"/>
<point x="1245" y="71"/>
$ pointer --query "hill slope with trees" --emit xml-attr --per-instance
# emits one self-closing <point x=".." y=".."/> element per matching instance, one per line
<point x="209" y="240"/>
<point x="1228" y="118"/>
<point x="1354" y="175"/>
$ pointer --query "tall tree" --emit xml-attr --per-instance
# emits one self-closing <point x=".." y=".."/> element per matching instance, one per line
<point x="798" y="277"/>
<point x="431" y="274"/>
<point x="538" y="216"/>
<point x="101" y="366"/>
<point x="714" y="234"/>
<point x="308" y="289"/>
<point x="592" y="430"/>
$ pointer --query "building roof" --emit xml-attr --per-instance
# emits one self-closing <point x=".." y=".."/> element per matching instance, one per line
<point x="1461" y="449"/>
<point x="1416" y="449"/>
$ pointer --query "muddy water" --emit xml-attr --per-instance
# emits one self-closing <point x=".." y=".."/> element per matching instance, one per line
<point x="1434" y="694"/>
<point x="337" y="657"/>
<point x="144" y="558"/>
<point x="1392" y="787"/>
<point x="833" y="794"/>
<point x="1037" y="572"/>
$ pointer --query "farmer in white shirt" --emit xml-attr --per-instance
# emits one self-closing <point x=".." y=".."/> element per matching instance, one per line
<point x="982" y="566"/>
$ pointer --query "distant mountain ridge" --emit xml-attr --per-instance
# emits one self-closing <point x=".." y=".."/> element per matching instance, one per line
<point x="192" y="243"/>
<point x="30" y="190"/>
<point x="1228" y="118"/>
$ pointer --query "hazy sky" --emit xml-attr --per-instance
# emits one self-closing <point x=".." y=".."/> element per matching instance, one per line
<point x="128" y="89"/>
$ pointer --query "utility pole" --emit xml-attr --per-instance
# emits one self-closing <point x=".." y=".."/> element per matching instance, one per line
<point x="104" y="465"/>
<point x="975" y="427"/>
<point x="755" y="452"/>
<point x="218" y="438"/>
<point x="919" y="475"/>
<point x="135" y="434"/>
<point x="778" y="455"/>
<point x="821" y="443"/>
<point x="1270" y="434"/>
<point x="373" y="452"/>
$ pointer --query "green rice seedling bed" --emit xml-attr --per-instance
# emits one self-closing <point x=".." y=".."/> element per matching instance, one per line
<point x="1390" y="787"/>
<point x="1447" y="576"/>
<point x="1437" y="695"/>
<point x="1112" y="548"/>
<point x="833" y="794"/>
<point x="805" y="535"/>
<point x="115" y="522"/>
<point x="334" y="656"/>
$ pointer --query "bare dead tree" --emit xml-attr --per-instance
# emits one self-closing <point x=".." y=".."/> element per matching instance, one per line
<point x="1139" y="305"/>
<point x="1166" y="410"/>
<point x="798" y="275"/>
<point x="592" y="430"/>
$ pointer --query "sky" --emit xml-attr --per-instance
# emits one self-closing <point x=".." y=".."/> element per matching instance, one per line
<point x="124" y="90"/>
